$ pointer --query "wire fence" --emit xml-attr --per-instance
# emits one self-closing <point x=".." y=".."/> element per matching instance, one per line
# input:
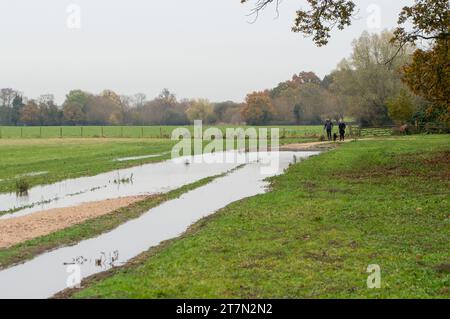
<point x="165" y="132"/>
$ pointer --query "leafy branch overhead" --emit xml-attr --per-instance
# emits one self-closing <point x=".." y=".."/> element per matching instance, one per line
<point x="319" y="20"/>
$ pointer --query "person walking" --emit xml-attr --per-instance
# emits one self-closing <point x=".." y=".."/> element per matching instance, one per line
<point x="342" y="127"/>
<point x="329" y="128"/>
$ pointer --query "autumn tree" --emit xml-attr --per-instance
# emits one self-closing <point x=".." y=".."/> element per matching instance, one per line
<point x="426" y="22"/>
<point x="200" y="109"/>
<point x="30" y="114"/>
<point x="103" y="109"/>
<point x="258" y="109"/>
<point x="73" y="113"/>
<point x="428" y="73"/>
<point x="401" y="107"/>
<point x="321" y="17"/>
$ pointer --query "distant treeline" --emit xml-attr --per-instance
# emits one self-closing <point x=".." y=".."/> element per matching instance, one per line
<point x="368" y="87"/>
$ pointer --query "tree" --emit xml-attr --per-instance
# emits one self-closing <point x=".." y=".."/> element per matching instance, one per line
<point x="77" y="96"/>
<point x="75" y="107"/>
<point x="401" y="107"/>
<point x="49" y="111"/>
<point x="163" y="110"/>
<point x="428" y="76"/>
<point x="428" y="73"/>
<point x="200" y="109"/>
<point x="30" y="114"/>
<point x="103" y="109"/>
<point x="319" y="20"/>
<point x="7" y="96"/>
<point x="139" y="99"/>
<point x="425" y="21"/>
<point x="365" y="82"/>
<point x="112" y="96"/>
<point x="258" y="109"/>
<point x="73" y="113"/>
<point x="298" y="113"/>
<point x="17" y="105"/>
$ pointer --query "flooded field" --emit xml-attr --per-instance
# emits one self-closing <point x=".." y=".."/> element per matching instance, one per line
<point x="48" y="274"/>
<point x="141" y="180"/>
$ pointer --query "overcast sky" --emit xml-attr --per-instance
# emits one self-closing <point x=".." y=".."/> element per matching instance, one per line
<point x="196" y="48"/>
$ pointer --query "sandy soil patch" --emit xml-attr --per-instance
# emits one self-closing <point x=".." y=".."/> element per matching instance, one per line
<point x="17" y="230"/>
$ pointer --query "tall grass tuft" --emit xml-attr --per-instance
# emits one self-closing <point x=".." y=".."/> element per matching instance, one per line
<point x="22" y="186"/>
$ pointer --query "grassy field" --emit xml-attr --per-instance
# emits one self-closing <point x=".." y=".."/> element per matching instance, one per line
<point x="130" y="131"/>
<point x="315" y="233"/>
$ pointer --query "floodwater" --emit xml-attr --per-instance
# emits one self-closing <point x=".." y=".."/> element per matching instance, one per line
<point x="53" y="271"/>
<point x="140" y="180"/>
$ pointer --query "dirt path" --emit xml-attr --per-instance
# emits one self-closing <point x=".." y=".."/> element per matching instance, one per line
<point x="17" y="230"/>
<point x="311" y="146"/>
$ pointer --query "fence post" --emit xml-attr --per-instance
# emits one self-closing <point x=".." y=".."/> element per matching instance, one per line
<point x="81" y="131"/>
<point x="160" y="132"/>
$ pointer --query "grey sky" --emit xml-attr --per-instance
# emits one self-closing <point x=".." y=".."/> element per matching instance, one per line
<point x="196" y="48"/>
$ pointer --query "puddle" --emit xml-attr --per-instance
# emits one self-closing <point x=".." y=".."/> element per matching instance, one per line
<point x="48" y="274"/>
<point x="133" y="158"/>
<point x="140" y="180"/>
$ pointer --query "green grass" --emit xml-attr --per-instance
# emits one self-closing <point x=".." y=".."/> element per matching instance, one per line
<point x="382" y="202"/>
<point x="90" y="228"/>
<point x="133" y="131"/>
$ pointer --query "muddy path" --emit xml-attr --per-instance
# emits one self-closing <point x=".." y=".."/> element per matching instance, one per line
<point x="17" y="230"/>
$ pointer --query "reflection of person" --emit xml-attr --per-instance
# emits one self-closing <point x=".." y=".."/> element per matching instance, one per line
<point x="329" y="128"/>
<point x="342" y="127"/>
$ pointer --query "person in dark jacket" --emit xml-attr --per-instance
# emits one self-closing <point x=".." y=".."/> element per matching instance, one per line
<point x="329" y="128"/>
<point x="342" y="127"/>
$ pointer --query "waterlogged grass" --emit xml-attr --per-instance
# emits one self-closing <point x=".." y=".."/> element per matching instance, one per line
<point x="69" y="158"/>
<point x="90" y="228"/>
<point x="315" y="233"/>
<point x="44" y="161"/>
